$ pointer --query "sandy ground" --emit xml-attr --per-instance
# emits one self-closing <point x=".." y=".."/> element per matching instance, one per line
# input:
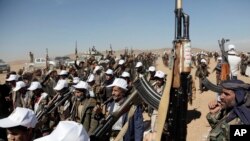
<point x="198" y="126"/>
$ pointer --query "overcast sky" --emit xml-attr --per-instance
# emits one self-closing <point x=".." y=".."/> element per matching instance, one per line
<point x="34" y="25"/>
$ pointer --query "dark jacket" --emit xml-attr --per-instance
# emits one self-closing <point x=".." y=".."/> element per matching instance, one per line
<point x="135" y="128"/>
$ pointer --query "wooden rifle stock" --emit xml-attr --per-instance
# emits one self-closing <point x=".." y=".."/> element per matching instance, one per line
<point x="175" y="91"/>
<point x="225" y="68"/>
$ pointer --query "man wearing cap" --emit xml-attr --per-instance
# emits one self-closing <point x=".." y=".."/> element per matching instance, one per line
<point x="64" y="75"/>
<point x="139" y="69"/>
<point x="126" y="76"/>
<point x="159" y="87"/>
<point x="23" y="98"/>
<point x="109" y="79"/>
<point x="39" y="97"/>
<point x="201" y="72"/>
<point x="234" y="61"/>
<point x="11" y="82"/>
<point x="120" y="68"/>
<point x="20" y="125"/>
<point x="82" y="109"/>
<point x="94" y="88"/>
<point x="231" y="109"/>
<point x="135" y="129"/>
<point x="62" y="88"/>
<point x="67" y="131"/>
<point x="151" y="78"/>
<point x="61" y="111"/>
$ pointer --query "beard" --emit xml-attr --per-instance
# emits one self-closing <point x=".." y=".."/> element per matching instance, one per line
<point x="116" y="98"/>
<point x="80" y="98"/>
<point x="228" y="105"/>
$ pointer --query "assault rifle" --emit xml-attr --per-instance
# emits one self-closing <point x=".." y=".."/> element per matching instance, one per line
<point x="103" y="131"/>
<point x="224" y="66"/>
<point x="57" y="101"/>
<point x="176" y="90"/>
<point x="225" y="71"/>
<point x="175" y="94"/>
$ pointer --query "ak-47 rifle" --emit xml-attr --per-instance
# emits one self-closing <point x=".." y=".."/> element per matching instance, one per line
<point x="53" y="104"/>
<point x="224" y="65"/>
<point x="175" y="92"/>
<point x="225" y="71"/>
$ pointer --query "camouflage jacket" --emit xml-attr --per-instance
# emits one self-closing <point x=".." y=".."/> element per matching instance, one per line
<point x="220" y="127"/>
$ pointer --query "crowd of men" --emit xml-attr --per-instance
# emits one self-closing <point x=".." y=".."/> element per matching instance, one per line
<point x="70" y="103"/>
<point x="85" y="93"/>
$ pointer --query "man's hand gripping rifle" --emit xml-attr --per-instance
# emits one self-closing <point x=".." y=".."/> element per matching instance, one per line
<point x="54" y="103"/>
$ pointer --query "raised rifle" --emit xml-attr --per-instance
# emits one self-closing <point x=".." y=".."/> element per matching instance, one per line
<point x="225" y="71"/>
<point x="224" y="65"/>
<point x="172" y="105"/>
<point x="176" y="90"/>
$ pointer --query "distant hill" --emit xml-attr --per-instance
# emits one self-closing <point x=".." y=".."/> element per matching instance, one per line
<point x="117" y="53"/>
<point x="137" y="51"/>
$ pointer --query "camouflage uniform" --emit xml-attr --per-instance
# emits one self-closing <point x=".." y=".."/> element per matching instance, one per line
<point x="220" y="128"/>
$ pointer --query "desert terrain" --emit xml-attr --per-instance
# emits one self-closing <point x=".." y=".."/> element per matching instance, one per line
<point x="198" y="127"/>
